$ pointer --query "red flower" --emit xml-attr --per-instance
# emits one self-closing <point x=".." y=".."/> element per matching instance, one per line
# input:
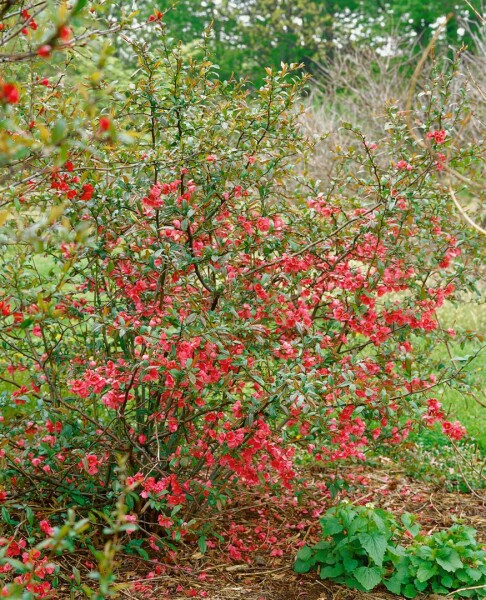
<point x="155" y="17"/>
<point x="46" y="527"/>
<point x="87" y="192"/>
<point x="403" y="165"/>
<point x="65" y="33"/>
<point x="104" y="123"/>
<point x="438" y="136"/>
<point x="44" y="51"/>
<point x="9" y="93"/>
<point x="164" y="521"/>
<point x="454" y="430"/>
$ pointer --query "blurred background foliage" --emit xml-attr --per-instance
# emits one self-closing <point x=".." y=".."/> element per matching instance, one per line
<point x="249" y="35"/>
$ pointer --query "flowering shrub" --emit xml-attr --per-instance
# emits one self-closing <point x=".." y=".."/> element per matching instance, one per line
<point x="178" y="295"/>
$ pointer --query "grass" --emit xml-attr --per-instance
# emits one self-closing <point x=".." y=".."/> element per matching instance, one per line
<point x="460" y="405"/>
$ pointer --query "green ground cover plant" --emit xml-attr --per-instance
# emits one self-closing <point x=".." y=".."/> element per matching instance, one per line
<point x="364" y="547"/>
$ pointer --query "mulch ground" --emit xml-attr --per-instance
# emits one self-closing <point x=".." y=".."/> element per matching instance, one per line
<point x="265" y="577"/>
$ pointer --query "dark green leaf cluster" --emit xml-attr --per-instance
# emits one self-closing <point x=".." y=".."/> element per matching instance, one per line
<point x="449" y="560"/>
<point x="363" y="547"/>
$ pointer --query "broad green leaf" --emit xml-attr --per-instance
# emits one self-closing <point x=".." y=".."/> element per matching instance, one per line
<point x="301" y="566"/>
<point x="394" y="584"/>
<point x="410" y="591"/>
<point x="368" y="577"/>
<point x="331" y="572"/>
<point x="360" y="523"/>
<point x="424" y="552"/>
<point x="331" y="526"/>
<point x="375" y="545"/>
<point x="304" y="554"/>
<point x="420" y="585"/>
<point x="409" y="522"/>
<point x="324" y="556"/>
<point x="449" y="560"/>
<point x="350" y="564"/>
<point x="321" y="546"/>
<point x="474" y="574"/>
<point x="426" y="571"/>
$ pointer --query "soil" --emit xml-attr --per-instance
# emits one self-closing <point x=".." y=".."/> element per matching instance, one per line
<point x="272" y="578"/>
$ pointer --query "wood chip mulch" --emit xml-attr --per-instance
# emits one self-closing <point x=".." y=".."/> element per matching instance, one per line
<point x="215" y="577"/>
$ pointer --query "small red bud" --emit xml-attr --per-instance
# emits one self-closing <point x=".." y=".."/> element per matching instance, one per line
<point x="65" y="33"/>
<point x="44" y="51"/>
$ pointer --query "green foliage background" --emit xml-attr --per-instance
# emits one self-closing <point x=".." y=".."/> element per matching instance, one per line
<point x="249" y="35"/>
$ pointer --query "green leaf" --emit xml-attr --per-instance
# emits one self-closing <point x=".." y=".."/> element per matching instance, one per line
<point x="304" y="554"/>
<point x="375" y="545"/>
<point x="16" y="564"/>
<point x="474" y="574"/>
<point x="449" y="560"/>
<point x="420" y="585"/>
<point x="394" y="584"/>
<point x="350" y="564"/>
<point x="426" y="571"/>
<point x="30" y="516"/>
<point x="58" y="131"/>
<point x="437" y="588"/>
<point x="410" y="591"/>
<point x="368" y="577"/>
<point x="358" y="524"/>
<point x="322" y="546"/>
<point x="7" y="518"/>
<point x="80" y="4"/>
<point x="331" y="572"/>
<point x="201" y="542"/>
<point x="301" y="566"/>
<point x="424" y="552"/>
<point x="26" y="323"/>
<point x="331" y="526"/>
<point x="326" y="557"/>
<point x="396" y="552"/>
<point x="409" y="522"/>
